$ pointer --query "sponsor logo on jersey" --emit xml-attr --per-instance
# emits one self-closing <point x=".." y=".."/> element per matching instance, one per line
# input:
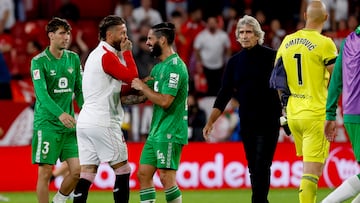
<point x="62" y="90"/>
<point x="174" y="79"/>
<point x="36" y="74"/>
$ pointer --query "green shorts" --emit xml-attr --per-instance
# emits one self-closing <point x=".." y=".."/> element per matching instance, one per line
<point x="164" y="155"/>
<point x="49" y="146"/>
<point x="353" y="130"/>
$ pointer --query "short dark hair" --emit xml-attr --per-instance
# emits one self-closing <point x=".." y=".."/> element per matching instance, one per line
<point x="165" y="29"/>
<point x="108" y="22"/>
<point x="56" y="23"/>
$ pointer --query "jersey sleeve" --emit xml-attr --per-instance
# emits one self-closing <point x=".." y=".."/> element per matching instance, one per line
<point x="41" y="91"/>
<point x="329" y="52"/>
<point x="335" y="87"/>
<point x="112" y="66"/>
<point x="78" y="83"/>
<point x="172" y="81"/>
<point x="227" y="86"/>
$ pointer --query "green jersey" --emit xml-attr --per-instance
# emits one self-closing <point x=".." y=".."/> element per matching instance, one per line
<point x="55" y="82"/>
<point x="171" y="124"/>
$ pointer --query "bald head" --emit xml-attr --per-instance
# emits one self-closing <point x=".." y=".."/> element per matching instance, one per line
<point x="316" y="12"/>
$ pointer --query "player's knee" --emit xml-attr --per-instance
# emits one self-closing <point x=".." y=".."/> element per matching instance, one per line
<point x="168" y="178"/>
<point x="75" y="173"/>
<point x="143" y="177"/>
<point x="88" y="176"/>
<point x="140" y="174"/>
<point x="124" y="169"/>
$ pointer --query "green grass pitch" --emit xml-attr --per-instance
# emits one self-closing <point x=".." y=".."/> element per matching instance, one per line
<point x="189" y="196"/>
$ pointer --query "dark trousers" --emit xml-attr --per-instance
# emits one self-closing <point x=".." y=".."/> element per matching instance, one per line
<point x="259" y="150"/>
<point x="213" y="78"/>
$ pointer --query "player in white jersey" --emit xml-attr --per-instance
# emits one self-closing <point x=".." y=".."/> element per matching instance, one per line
<point x="100" y="138"/>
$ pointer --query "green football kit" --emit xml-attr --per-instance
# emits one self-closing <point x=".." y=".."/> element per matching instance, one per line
<point x="169" y="127"/>
<point x="56" y="82"/>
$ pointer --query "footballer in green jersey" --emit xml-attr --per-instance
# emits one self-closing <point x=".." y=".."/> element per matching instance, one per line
<point x="170" y="124"/>
<point x="167" y="88"/>
<point x="56" y="75"/>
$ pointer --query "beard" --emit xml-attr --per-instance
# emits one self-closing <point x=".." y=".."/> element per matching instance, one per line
<point x="156" y="51"/>
<point x="117" y="46"/>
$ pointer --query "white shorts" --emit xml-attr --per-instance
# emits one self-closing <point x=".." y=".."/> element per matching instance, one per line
<point x="101" y="145"/>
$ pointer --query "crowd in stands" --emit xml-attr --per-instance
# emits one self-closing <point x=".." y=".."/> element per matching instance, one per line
<point x="205" y="40"/>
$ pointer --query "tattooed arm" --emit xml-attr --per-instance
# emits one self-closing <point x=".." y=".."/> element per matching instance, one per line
<point x="133" y="99"/>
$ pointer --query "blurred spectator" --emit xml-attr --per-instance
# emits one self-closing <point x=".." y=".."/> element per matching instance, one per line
<point x="125" y="10"/>
<point x="7" y="15"/>
<point x="33" y="48"/>
<point x="20" y="11"/>
<point x="196" y="119"/>
<point x="6" y="48"/>
<point x="79" y="46"/>
<point x="178" y="18"/>
<point x="141" y="114"/>
<point x="175" y="5"/>
<point x="342" y="31"/>
<point x="261" y="18"/>
<point x="22" y="60"/>
<point x="212" y="48"/>
<point x="300" y="25"/>
<point x="69" y="11"/>
<point x="191" y="28"/>
<point x="200" y="83"/>
<point x="354" y="7"/>
<point x="146" y="13"/>
<point x="142" y="30"/>
<point x="343" y="28"/>
<point x="21" y="84"/>
<point x="231" y="17"/>
<point x="276" y="34"/>
<point x="118" y="10"/>
<point x="5" y="78"/>
<point x="352" y="22"/>
<point x="144" y="61"/>
<point x="341" y="11"/>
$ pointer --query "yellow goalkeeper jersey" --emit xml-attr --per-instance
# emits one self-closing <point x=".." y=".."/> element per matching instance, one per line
<point x="305" y="55"/>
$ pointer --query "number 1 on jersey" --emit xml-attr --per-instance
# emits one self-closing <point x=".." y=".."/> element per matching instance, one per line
<point x="298" y="64"/>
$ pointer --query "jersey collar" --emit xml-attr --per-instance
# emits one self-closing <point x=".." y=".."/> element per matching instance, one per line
<point x="108" y="46"/>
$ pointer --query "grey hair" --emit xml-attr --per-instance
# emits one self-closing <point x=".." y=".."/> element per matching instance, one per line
<point x="249" y="20"/>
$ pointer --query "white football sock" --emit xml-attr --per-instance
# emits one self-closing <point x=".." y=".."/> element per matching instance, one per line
<point x="59" y="198"/>
<point x="349" y="188"/>
<point x="356" y="199"/>
<point x="177" y="200"/>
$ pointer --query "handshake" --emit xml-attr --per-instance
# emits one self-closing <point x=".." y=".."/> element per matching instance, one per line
<point x="284" y="124"/>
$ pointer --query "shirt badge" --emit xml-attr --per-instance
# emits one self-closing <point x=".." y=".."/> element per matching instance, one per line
<point x="70" y="70"/>
<point x="174" y="79"/>
<point x="36" y="74"/>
